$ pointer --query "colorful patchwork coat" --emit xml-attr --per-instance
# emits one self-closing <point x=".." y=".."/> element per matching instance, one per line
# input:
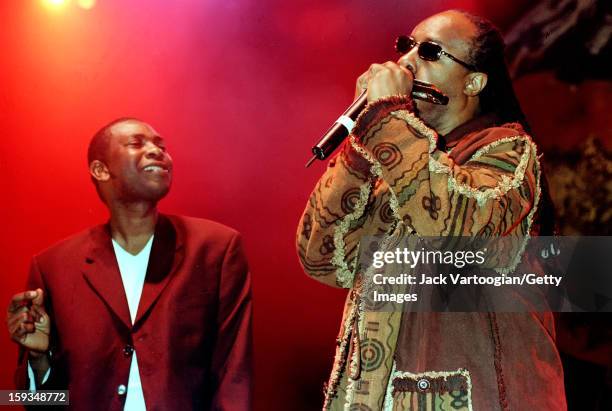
<point x="392" y="179"/>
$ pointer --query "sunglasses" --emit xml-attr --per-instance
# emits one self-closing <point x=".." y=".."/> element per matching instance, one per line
<point x="428" y="50"/>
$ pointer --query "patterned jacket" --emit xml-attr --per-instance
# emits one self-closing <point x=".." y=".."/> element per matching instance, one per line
<point x="391" y="179"/>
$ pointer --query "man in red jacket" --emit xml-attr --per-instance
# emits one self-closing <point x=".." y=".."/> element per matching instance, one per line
<point x="145" y="312"/>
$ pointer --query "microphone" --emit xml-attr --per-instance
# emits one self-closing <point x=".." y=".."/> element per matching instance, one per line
<point x="343" y="126"/>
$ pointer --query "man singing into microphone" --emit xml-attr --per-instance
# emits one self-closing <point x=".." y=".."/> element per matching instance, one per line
<point x="463" y="169"/>
<point x="148" y="311"/>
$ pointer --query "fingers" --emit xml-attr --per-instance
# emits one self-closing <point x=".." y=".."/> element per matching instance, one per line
<point x="19" y="325"/>
<point x="26" y="314"/>
<point x="14" y="314"/>
<point x="375" y="68"/>
<point x="376" y="71"/>
<point x="39" y="314"/>
<point x="39" y="299"/>
<point x="23" y="298"/>
<point x="362" y="83"/>
<point x="396" y="68"/>
<point x="389" y="71"/>
<point x="363" y="80"/>
<point x="391" y="68"/>
<point x="388" y="79"/>
<point x="407" y="72"/>
<point x="387" y="66"/>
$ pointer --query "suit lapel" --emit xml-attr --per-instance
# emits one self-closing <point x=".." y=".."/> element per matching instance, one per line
<point x="101" y="271"/>
<point x="166" y="256"/>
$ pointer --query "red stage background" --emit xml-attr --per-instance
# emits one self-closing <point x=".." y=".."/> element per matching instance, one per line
<point x="240" y="89"/>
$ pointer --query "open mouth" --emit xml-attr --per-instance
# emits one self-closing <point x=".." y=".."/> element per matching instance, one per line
<point x="155" y="169"/>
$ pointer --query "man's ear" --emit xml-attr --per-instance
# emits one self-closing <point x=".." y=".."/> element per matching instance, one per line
<point x="475" y="83"/>
<point x="99" y="171"/>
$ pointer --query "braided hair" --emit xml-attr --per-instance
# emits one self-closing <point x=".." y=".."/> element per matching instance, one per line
<point x="498" y="97"/>
<point x="487" y="55"/>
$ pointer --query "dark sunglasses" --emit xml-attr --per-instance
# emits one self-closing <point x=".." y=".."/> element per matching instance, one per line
<point x="428" y="50"/>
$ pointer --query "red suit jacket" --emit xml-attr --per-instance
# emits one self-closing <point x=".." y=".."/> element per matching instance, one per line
<point x="192" y="331"/>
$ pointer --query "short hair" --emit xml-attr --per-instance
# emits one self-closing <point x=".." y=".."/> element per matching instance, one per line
<point x="98" y="145"/>
<point x="487" y="55"/>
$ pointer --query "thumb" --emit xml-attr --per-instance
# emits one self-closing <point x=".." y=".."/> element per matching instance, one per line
<point x="39" y="300"/>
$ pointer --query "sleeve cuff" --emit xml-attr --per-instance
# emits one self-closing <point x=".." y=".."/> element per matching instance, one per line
<point x="375" y="111"/>
<point x="355" y="161"/>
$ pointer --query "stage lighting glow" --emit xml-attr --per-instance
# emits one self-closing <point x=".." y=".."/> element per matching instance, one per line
<point x="55" y="3"/>
<point x="86" y="4"/>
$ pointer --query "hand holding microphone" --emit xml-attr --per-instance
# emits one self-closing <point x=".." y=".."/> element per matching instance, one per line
<point x="381" y="80"/>
<point x="384" y="80"/>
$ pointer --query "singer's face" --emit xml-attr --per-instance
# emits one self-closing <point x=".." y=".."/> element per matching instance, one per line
<point x="453" y="32"/>
<point x="140" y="167"/>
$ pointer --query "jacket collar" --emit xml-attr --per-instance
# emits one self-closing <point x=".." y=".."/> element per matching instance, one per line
<point x="451" y="139"/>
<point x="101" y="271"/>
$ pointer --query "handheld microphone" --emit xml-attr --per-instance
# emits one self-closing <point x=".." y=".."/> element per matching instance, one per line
<point x="343" y="126"/>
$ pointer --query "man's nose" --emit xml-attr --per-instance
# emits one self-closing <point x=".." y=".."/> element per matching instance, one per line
<point x="153" y="151"/>
<point x="409" y="61"/>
